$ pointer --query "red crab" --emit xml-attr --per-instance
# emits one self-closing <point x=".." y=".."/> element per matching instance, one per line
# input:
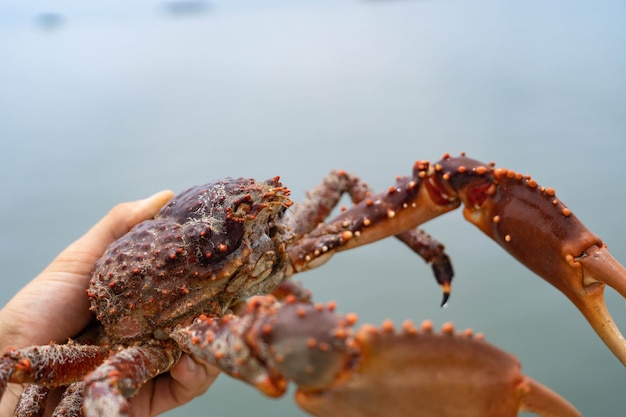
<point x="189" y="281"/>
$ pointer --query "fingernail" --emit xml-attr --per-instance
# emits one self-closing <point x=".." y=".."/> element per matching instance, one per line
<point x="160" y="195"/>
<point x="192" y="366"/>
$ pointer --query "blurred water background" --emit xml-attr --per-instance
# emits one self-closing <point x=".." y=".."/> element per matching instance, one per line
<point x="109" y="101"/>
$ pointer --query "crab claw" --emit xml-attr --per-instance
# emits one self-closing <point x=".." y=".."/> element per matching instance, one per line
<point x="420" y="372"/>
<point x="370" y="372"/>
<point x="530" y="223"/>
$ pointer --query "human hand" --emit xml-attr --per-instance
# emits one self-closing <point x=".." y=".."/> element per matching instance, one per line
<point x="54" y="306"/>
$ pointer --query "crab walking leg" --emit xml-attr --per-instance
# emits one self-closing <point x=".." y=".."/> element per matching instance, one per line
<point x="433" y="253"/>
<point x="71" y="402"/>
<point x="32" y="402"/>
<point x="120" y="377"/>
<point x="527" y="220"/>
<point x="51" y="365"/>
<point x="322" y="199"/>
<point x="401" y="208"/>
<point x="373" y="373"/>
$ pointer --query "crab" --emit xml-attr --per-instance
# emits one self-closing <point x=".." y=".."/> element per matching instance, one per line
<point x="210" y="275"/>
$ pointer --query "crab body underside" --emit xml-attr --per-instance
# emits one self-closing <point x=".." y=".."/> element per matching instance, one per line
<point x="210" y="276"/>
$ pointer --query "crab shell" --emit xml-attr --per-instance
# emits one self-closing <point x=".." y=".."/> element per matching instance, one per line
<point x="208" y="247"/>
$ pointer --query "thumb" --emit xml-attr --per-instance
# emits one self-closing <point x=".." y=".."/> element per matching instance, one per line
<point x="84" y="252"/>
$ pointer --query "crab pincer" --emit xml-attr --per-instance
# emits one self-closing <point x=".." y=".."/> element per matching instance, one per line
<point x="369" y="372"/>
<point x="536" y="228"/>
<point x="418" y="371"/>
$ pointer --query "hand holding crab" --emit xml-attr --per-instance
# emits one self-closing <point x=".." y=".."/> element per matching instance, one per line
<point x="183" y="282"/>
<point x="54" y="306"/>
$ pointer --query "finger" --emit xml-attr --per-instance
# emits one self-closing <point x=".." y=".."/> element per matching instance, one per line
<point x="9" y="400"/>
<point x="126" y="215"/>
<point x="187" y="380"/>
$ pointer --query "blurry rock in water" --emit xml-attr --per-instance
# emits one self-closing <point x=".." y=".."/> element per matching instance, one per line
<point x="49" y="21"/>
<point x="186" y="7"/>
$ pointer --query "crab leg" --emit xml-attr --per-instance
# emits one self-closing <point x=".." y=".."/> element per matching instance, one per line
<point x="71" y="401"/>
<point x="49" y="365"/>
<point x="45" y="367"/>
<point x="371" y="372"/>
<point x="120" y="377"/>
<point x="527" y="220"/>
<point x="322" y="199"/>
<point x="32" y="402"/>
